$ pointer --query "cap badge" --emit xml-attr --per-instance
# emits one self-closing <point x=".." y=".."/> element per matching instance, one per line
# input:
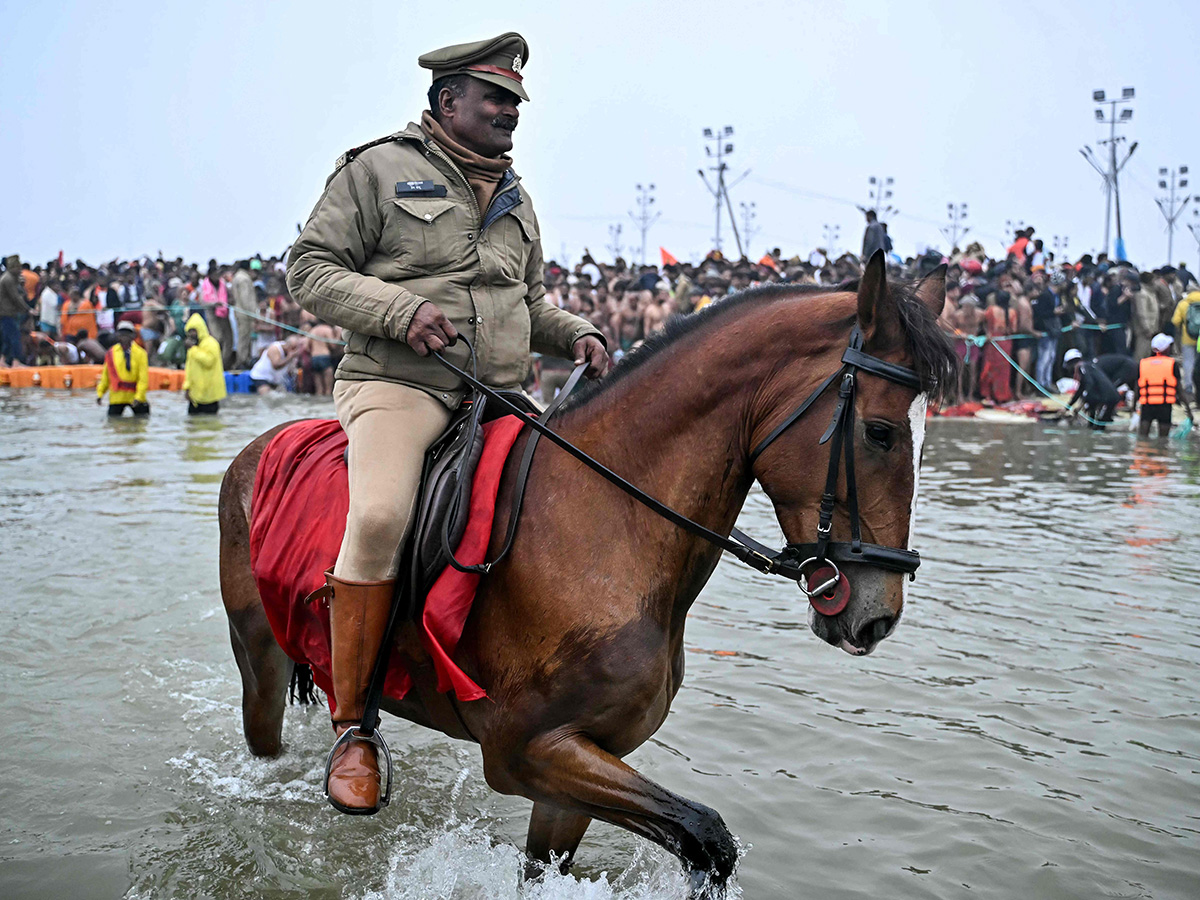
<point x="516" y="67"/>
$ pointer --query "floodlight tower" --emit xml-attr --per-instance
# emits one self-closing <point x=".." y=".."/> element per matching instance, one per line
<point x="831" y="233"/>
<point x="879" y="191"/>
<point x="1167" y="205"/>
<point x="614" y="240"/>
<point x="957" y="214"/>
<point x="749" y="218"/>
<point x="1111" y="169"/>
<point x="644" y="217"/>
<point x="718" y="144"/>
<point x="1194" y="227"/>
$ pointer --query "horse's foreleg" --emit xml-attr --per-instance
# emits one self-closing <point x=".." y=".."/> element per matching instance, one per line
<point x="577" y="776"/>
<point x="554" y="831"/>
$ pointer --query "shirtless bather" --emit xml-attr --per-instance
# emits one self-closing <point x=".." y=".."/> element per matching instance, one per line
<point x="319" y="337"/>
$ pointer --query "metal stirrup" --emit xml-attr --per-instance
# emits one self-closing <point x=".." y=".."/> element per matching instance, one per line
<point x="354" y="733"/>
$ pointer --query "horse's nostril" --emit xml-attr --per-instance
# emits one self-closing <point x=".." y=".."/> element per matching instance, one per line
<point x="875" y="631"/>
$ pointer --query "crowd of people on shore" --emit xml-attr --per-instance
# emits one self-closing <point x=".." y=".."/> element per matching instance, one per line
<point x="75" y="313"/>
<point x="1024" y="324"/>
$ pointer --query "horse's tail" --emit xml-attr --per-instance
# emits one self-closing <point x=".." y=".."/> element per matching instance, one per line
<point x="301" y="689"/>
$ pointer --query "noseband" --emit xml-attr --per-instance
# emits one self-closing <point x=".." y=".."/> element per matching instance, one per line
<point x="815" y="567"/>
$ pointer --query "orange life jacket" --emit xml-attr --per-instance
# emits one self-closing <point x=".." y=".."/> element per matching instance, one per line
<point x="1156" y="380"/>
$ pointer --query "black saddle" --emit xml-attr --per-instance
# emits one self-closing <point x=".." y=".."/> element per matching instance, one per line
<point x="444" y="497"/>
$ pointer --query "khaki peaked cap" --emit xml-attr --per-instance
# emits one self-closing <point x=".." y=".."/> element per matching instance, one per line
<point x="497" y="60"/>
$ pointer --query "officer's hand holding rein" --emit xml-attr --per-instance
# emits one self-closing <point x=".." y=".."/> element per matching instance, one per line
<point x="589" y="349"/>
<point x="430" y="331"/>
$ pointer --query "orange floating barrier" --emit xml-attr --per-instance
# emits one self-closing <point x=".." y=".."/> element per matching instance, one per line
<point x="53" y="376"/>
<point x="86" y="377"/>
<point x="23" y="378"/>
<point x="82" y="377"/>
<point x="160" y="379"/>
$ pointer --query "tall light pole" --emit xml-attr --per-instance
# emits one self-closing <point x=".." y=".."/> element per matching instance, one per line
<point x="1110" y="168"/>
<point x="1168" y="206"/>
<point x="614" y="240"/>
<point x="957" y="214"/>
<point x="749" y="217"/>
<point x="1060" y="245"/>
<point x="879" y="190"/>
<point x="1194" y="228"/>
<point x="831" y="233"/>
<point x="644" y="218"/>
<point x="1012" y="226"/>
<point x="718" y="144"/>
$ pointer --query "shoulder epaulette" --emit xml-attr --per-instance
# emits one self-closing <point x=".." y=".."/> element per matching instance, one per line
<point x="354" y="151"/>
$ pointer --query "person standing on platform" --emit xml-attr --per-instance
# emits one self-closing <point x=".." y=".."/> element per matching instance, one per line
<point x="996" y="379"/>
<point x="215" y="297"/>
<point x="1160" y="385"/>
<point x="1143" y="314"/>
<point x="1047" y="307"/>
<point x="1186" y="320"/>
<point x="874" y="237"/>
<point x="1113" y="337"/>
<point x="14" y="307"/>
<point x="49" y="303"/>
<point x="245" y="305"/>
<point x="203" y="374"/>
<point x="125" y="376"/>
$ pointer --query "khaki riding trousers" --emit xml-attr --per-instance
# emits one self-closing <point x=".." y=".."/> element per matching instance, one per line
<point x="389" y="427"/>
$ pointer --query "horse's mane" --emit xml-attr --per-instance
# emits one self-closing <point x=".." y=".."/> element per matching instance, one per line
<point x="932" y="352"/>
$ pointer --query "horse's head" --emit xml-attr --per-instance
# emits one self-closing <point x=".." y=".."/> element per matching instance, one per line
<point x="884" y="425"/>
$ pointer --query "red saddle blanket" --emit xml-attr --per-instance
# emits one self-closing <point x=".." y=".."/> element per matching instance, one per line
<point x="297" y="518"/>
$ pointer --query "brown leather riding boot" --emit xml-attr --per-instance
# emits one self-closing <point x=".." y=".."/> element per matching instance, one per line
<point x="358" y="614"/>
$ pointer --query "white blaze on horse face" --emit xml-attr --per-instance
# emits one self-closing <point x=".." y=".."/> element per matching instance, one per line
<point x="916" y="424"/>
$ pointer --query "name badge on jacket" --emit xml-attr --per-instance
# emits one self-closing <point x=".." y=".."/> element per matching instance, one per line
<point x="419" y="189"/>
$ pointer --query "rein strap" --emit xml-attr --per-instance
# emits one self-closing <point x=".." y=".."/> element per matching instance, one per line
<point x="794" y="560"/>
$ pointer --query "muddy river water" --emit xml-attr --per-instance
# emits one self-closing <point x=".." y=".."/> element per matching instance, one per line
<point x="1032" y="729"/>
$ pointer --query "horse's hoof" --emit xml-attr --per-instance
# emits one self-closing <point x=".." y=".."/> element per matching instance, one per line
<point x="701" y="886"/>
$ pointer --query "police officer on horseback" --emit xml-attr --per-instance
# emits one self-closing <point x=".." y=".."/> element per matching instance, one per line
<point x="420" y="237"/>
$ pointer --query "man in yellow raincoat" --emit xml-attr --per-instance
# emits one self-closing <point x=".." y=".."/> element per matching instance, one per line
<point x="126" y="374"/>
<point x="203" y="374"/>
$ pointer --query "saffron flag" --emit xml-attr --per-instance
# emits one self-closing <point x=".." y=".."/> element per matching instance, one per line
<point x="667" y="258"/>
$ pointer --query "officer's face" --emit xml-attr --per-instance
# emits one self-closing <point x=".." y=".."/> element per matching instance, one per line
<point x="483" y="119"/>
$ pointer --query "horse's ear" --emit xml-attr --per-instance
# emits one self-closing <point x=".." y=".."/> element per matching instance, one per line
<point x="932" y="290"/>
<point x="878" y="318"/>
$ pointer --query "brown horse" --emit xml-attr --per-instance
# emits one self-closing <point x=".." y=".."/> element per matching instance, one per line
<point x="578" y="636"/>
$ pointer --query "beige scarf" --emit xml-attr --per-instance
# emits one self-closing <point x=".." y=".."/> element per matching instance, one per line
<point x="483" y="174"/>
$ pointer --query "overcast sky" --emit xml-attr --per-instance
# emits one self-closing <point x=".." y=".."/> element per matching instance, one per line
<point x="208" y="129"/>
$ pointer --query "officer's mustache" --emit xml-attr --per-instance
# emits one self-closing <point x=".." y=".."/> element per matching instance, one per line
<point x="508" y="124"/>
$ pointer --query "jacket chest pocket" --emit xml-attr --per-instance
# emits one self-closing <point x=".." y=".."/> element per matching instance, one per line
<point x="513" y="237"/>
<point x="423" y="232"/>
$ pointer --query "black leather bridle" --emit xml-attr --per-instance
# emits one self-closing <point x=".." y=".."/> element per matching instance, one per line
<point x="800" y="563"/>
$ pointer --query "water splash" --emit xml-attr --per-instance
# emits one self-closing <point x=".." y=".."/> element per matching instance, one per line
<point x="465" y="863"/>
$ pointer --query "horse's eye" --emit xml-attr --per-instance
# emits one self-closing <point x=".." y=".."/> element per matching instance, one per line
<point x="880" y="435"/>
